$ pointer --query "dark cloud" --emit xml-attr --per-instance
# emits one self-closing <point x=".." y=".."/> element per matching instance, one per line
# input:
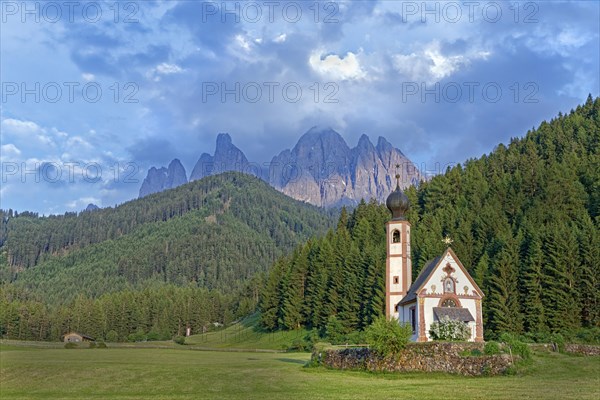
<point x="210" y="26"/>
<point x="152" y="151"/>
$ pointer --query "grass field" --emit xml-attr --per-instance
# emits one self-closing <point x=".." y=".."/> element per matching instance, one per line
<point x="245" y="335"/>
<point x="142" y="373"/>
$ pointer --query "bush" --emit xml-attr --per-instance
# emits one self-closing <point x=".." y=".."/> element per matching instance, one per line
<point x="112" y="336"/>
<point x="449" y="330"/>
<point x="154" y="335"/>
<point x="516" y="346"/>
<point x="298" y="345"/>
<point x="387" y="337"/>
<point x="584" y="336"/>
<point x="71" y="345"/>
<point x="92" y="345"/>
<point x="335" y="331"/>
<point x="491" y="348"/>
<point x="179" y="340"/>
<point x="101" y="345"/>
<point x="139" y="336"/>
<point x="357" y="337"/>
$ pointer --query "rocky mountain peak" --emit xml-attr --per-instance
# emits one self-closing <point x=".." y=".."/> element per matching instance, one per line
<point x="223" y="139"/>
<point x="320" y="169"/>
<point x="159" y="179"/>
<point x="227" y="157"/>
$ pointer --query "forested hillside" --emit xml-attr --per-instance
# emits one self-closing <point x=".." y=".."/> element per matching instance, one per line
<point x="211" y="236"/>
<point x="525" y="222"/>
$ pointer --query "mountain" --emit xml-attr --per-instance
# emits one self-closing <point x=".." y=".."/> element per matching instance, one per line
<point x="321" y="169"/>
<point x="215" y="233"/>
<point x="163" y="178"/>
<point x="525" y="222"/>
<point x="91" y="207"/>
<point x="227" y="157"/>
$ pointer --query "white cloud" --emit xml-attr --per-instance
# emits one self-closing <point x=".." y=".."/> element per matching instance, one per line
<point x="78" y="142"/>
<point x="19" y="127"/>
<point x="242" y="42"/>
<point x="430" y="64"/>
<point x="163" y="69"/>
<point x="281" y="38"/>
<point x="88" y="77"/>
<point x="9" y="152"/>
<point x="566" y="42"/>
<point x="168" y="69"/>
<point x="24" y="131"/>
<point x="337" y="67"/>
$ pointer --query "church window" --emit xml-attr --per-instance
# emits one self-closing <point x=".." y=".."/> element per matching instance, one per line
<point x="413" y="319"/>
<point x="448" y="285"/>
<point x="396" y="280"/>
<point x="396" y="236"/>
<point x="449" y="303"/>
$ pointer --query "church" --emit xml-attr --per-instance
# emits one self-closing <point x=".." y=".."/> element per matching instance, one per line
<point x="443" y="288"/>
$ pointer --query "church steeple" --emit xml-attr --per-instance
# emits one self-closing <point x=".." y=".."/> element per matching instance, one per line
<point x="398" y="262"/>
<point x="397" y="202"/>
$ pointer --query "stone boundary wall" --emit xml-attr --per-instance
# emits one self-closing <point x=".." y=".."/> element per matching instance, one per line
<point x="583" y="349"/>
<point x="423" y="357"/>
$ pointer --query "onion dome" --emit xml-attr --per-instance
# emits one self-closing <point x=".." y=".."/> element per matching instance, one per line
<point x="397" y="202"/>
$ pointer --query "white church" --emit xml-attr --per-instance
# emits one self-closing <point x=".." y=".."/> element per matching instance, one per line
<point x="443" y="288"/>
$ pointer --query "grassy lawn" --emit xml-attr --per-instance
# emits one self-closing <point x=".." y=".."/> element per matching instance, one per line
<point x="122" y="373"/>
<point x="245" y="335"/>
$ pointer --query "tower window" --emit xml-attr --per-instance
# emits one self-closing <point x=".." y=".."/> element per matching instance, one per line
<point x="396" y="280"/>
<point x="396" y="236"/>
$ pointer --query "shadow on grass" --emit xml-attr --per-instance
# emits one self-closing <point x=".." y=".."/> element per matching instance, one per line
<point x="291" y="361"/>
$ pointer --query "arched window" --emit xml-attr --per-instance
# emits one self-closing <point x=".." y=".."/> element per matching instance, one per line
<point x="396" y="236"/>
<point x="448" y="285"/>
<point x="449" y="303"/>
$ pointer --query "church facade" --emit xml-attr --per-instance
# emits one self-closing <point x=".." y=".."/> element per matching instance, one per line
<point x="443" y="288"/>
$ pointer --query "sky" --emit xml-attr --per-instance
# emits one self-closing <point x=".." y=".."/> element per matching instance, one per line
<point x="95" y="93"/>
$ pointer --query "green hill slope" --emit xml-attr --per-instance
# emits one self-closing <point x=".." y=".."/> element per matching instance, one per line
<point x="215" y="233"/>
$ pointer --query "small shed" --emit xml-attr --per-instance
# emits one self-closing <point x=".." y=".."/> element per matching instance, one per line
<point x="75" y="337"/>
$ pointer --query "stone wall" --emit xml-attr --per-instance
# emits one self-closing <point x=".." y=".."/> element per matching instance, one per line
<point x="424" y="357"/>
<point x="583" y="349"/>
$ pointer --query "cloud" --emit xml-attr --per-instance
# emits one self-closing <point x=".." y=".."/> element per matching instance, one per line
<point x="336" y="67"/>
<point x="9" y="152"/>
<point x="19" y="127"/>
<point x="168" y="69"/>
<point x="152" y="150"/>
<point x="431" y="65"/>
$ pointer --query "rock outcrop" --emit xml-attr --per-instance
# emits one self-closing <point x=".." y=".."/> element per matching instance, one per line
<point x="227" y="157"/>
<point x="159" y="179"/>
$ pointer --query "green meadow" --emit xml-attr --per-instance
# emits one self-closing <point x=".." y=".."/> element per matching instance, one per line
<point x="28" y="372"/>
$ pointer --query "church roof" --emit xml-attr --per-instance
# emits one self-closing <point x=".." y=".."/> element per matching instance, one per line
<point x="455" y="313"/>
<point x="423" y="275"/>
<point x="426" y="272"/>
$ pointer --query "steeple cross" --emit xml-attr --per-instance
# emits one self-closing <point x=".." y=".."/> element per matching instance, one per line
<point x="447" y="240"/>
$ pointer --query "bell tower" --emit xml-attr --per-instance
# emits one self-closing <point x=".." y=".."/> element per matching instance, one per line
<point x="398" y="266"/>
